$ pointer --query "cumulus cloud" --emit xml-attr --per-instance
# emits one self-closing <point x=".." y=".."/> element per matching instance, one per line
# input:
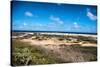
<point x="56" y="19"/>
<point x="61" y="22"/>
<point x="91" y="15"/>
<point x="24" y="24"/>
<point x="27" y="13"/>
<point x="76" y="25"/>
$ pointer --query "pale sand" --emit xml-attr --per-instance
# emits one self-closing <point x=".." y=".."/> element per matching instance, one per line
<point x="55" y="42"/>
<point x="66" y="34"/>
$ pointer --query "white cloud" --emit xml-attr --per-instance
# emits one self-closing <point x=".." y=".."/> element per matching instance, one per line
<point x="21" y="27"/>
<point x="27" y="13"/>
<point x="24" y="24"/>
<point x="38" y="25"/>
<point x="56" y="19"/>
<point x="76" y="25"/>
<point x="61" y="22"/>
<point x="91" y="15"/>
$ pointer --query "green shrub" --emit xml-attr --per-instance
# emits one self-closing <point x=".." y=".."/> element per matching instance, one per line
<point x="25" y="54"/>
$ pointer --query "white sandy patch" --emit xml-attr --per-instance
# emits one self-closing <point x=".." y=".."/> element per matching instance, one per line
<point x="89" y="45"/>
<point x="55" y="42"/>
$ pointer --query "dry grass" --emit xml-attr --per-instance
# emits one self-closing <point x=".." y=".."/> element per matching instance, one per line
<point x="24" y="53"/>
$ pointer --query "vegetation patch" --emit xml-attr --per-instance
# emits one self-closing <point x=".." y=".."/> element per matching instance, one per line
<point x="25" y="54"/>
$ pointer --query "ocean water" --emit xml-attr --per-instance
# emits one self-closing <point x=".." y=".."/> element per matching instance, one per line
<point x="54" y="32"/>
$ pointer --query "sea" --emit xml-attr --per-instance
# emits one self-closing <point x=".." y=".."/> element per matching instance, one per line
<point x="54" y="32"/>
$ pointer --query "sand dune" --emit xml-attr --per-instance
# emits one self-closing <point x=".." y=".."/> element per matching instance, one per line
<point x="64" y="48"/>
<point x="58" y="39"/>
<point x="55" y="42"/>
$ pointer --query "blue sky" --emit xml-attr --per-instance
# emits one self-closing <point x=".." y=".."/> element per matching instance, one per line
<point x="37" y="16"/>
